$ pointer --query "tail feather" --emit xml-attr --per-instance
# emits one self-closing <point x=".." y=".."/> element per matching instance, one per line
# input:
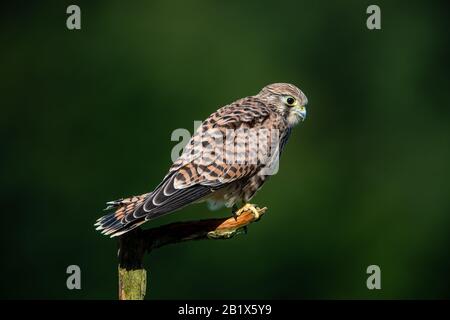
<point x="114" y="224"/>
<point x="134" y="211"/>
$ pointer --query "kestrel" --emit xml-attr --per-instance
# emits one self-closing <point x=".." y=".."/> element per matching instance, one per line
<point x="226" y="161"/>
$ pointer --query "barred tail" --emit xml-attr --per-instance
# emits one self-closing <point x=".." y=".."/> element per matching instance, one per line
<point x="132" y="212"/>
<point x="114" y="224"/>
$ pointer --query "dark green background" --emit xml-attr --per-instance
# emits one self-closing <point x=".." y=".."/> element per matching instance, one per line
<point x="86" y="117"/>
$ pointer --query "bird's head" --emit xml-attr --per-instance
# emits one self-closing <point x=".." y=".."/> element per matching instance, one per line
<point x="288" y="100"/>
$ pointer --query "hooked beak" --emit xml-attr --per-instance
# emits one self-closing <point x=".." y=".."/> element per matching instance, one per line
<point x="300" y="111"/>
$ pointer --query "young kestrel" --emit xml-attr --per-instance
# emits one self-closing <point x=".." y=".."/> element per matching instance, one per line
<point x="224" y="163"/>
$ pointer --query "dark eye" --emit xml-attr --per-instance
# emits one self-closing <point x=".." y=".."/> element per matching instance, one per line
<point x="290" y="101"/>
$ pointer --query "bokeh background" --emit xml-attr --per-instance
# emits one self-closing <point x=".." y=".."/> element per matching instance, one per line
<point x="86" y="117"/>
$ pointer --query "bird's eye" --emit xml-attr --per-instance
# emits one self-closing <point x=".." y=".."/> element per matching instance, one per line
<point x="290" y="101"/>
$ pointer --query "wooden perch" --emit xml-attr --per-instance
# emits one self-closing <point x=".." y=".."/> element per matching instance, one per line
<point x="134" y="244"/>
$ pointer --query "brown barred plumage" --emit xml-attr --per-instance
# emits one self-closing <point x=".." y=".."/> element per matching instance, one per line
<point x="225" y="162"/>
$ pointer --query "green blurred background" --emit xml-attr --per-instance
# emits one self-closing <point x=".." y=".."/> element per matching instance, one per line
<point x="86" y="117"/>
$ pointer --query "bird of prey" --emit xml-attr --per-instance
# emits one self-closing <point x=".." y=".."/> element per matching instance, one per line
<point x="224" y="163"/>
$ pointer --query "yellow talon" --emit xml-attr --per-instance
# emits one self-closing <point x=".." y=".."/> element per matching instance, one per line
<point x="251" y="207"/>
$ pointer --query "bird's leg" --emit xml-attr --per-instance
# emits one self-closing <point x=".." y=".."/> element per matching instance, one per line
<point x="246" y="207"/>
<point x="235" y="210"/>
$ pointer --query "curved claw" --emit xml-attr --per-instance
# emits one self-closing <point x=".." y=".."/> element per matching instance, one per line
<point x="251" y="207"/>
